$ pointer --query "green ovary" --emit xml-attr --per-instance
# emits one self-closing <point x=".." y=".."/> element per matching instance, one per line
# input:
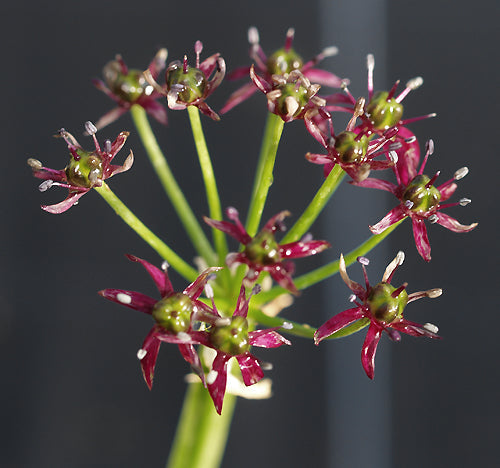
<point x="383" y="306"/>
<point x="282" y="62"/>
<point x="86" y="171"/>
<point x="233" y="338"/>
<point x="263" y="249"/>
<point x="423" y="198"/>
<point x="384" y="113"/>
<point x="173" y="313"/>
<point x="191" y="83"/>
<point x="349" y="148"/>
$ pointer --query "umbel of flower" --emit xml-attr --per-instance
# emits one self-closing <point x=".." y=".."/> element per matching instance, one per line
<point x="85" y="170"/>
<point x="262" y="252"/>
<point x="281" y="62"/>
<point x="383" y="109"/>
<point x="190" y="86"/>
<point x="420" y="200"/>
<point x="353" y="150"/>
<point x="175" y="315"/>
<point x="381" y="306"/>
<point x="128" y="87"/>
<point x="230" y="337"/>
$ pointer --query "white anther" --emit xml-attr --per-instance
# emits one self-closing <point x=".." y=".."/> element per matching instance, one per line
<point x="352" y="298"/>
<point x="267" y="366"/>
<point x="400" y="257"/>
<point x="287" y="325"/>
<point x="415" y="83"/>
<point x="164" y="265"/>
<point x="433" y="219"/>
<point x="363" y="260"/>
<point x="330" y="51"/>
<point x="45" y="185"/>
<point x="141" y="354"/>
<point x="291" y="106"/>
<point x="90" y="128"/>
<point x="211" y="376"/>
<point x="253" y="35"/>
<point x="464" y="201"/>
<point x="35" y="164"/>
<point x="412" y="139"/>
<point x="107" y="146"/>
<point x="256" y="289"/>
<point x="431" y="327"/>
<point x="370" y="62"/>
<point x="209" y="292"/>
<point x="222" y="322"/>
<point x="124" y="298"/>
<point x="393" y="156"/>
<point x="433" y="293"/>
<point x="409" y="204"/>
<point x="429" y="146"/>
<point x="461" y="173"/>
<point x="183" y="336"/>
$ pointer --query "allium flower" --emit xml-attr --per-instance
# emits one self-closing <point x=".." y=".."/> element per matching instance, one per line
<point x="382" y="305"/>
<point x="230" y="338"/>
<point x="262" y="252"/>
<point x="353" y="150"/>
<point x="85" y="170"/>
<point x="280" y="63"/>
<point x="383" y="110"/>
<point x="175" y="314"/>
<point x="420" y="200"/>
<point x="190" y="86"/>
<point x="128" y="87"/>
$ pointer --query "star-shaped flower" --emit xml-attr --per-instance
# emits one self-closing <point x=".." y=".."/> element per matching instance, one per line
<point x="128" y="87"/>
<point x="174" y="314"/>
<point x="382" y="306"/>
<point x="86" y="169"/>
<point x="262" y="252"/>
<point x="280" y="63"/>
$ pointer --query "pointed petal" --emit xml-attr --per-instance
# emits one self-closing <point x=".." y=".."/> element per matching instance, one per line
<point x="370" y="348"/>
<point x="110" y="117"/>
<point x="262" y="84"/>
<point x="216" y="380"/>
<point x="159" y="277"/>
<point x="133" y="300"/>
<point x="196" y="287"/>
<point x="395" y="215"/>
<point x="229" y="228"/>
<point x="157" y="111"/>
<point x="238" y="73"/>
<point x="452" y="224"/>
<point x="446" y="191"/>
<point x="242" y="304"/>
<point x="117" y="145"/>
<point x="421" y="239"/>
<point x="267" y="338"/>
<point x="238" y="97"/>
<point x="65" y="205"/>
<point x="323" y="77"/>
<point x="50" y="174"/>
<point x="207" y="110"/>
<point x="158" y="63"/>
<point x="318" y="158"/>
<point x="377" y="184"/>
<point x="413" y="329"/>
<point x="115" y="169"/>
<point x="303" y="249"/>
<point x="250" y="368"/>
<point x="280" y="274"/>
<point x="190" y="355"/>
<point x="356" y="288"/>
<point x="337" y="322"/>
<point x="148" y="361"/>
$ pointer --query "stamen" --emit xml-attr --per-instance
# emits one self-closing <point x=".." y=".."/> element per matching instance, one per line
<point x="185" y="64"/>
<point x="392" y="91"/>
<point x="398" y="291"/>
<point x="198" y="47"/>
<point x="370" y="64"/>
<point x="461" y="173"/>
<point x="141" y="354"/>
<point x="352" y="298"/>
<point x="164" y="265"/>
<point x="464" y="201"/>
<point x="90" y="128"/>
<point x="287" y="325"/>
<point x="256" y="289"/>
<point x="400" y="257"/>
<point x="253" y="35"/>
<point x="415" y="83"/>
<point x="433" y="293"/>
<point x="267" y="366"/>
<point x="35" y="164"/>
<point x="209" y="292"/>
<point x="211" y="377"/>
<point x="429" y="146"/>
<point x="363" y="261"/>
<point x="433" y="219"/>
<point x="393" y="156"/>
<point x="289" y="39"/>
<point x="431" y="327"/>
<point x="107" y="146"/>
<point x="431" y="182"/>
<point x="409" y="204"/>
<point x="45" y="185"/>
<point x="124" y="298"/>
<point x="330" y="51"/>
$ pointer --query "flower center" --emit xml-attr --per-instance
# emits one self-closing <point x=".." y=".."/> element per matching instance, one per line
<point x="263" y="249"/>
<point x="282" y="62"/>
<point x="351" y="149"/>
<point x="173" y="313"/>
<point x="233" y="338"/>
<point x="422" y="197"/>
<point x="129" y="87"/>
<point x="384" y="113"/>
<point x="383" y="306"/>
<point x="294" y="97"/>
<point x="86" y="171"/>
<point x="190" y="84"/>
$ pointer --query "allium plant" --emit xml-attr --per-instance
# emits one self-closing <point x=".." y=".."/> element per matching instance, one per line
<point x="219" y="315"/>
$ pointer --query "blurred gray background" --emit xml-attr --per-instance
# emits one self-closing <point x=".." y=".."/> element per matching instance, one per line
<point x="71" y="390"/>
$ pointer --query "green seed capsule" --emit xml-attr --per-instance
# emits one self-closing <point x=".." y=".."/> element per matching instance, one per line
<point x="263" y="249"/>
<point x="383" y="306"/>
<point x="233" y="338"/>
<point x="282" y="62"/>
<point x="129" y="87"/>
<point x="423" y="198"/>
<point x="191" y="84"/>
<point x="349" y="148"/>
<point x="173" y="313"/>
<point x="384" y="113"/>
<point x="86" y="171"/>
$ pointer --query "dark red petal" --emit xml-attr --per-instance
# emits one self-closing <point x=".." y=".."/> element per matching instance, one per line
<point x="395" y="215"/>
<point x="138" y="301"/>
<point x="452" y="224"/>
<point x="413" y="329"/>
<point x="196" y="287"/>
<point x="250" y="368"/>
<point x="377" y="184"/>
<point x="238" y="97"/>
<point x="156" y="110"/>
<point x="229" y="228"/>
<point x="151" y="345"/>
<point x="323" y="77"/>
<point x="421" y="239"/>
<point x="217" y="387"/>
<point x="65" y="205"/>
<point x="302" y="249"/>
<point x="337" y="322"/>
<point x="370" y="348"/>
<point x="111" y="116"/>
<point x="160" y="277"/>
<point x="267" y="338"/>
<point x="190" y="355"/>
<point x="280" y="274"/>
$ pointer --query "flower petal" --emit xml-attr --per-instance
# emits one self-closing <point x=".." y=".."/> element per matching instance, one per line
<point x="303" y="249"/>
<point x="156" y="110"/>
<point x="239" y="96"/>
<point x="452" y="224"/>
<point x="323" y="77"/>
<point x="229" y="228"/>
<point x="216" y="380"/>
<point x="160" y="277"/>
<point x="337" y="322"/>
<point x="250" y="368"/>
<point x="133" y="300"/>
<point x="395" y="215"/>
<point x="190" y="355"/>
<point x="267" y="338"/>
<point x="66" y="204"/>
<point x="110" y="117"/>
<point x="370" y="348"/>
<point x="148" y="361"/>
<point x="421" y="239"/>
<point x="196" y="287"/>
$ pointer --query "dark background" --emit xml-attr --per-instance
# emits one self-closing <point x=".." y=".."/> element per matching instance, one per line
<point x="71" y="390"/>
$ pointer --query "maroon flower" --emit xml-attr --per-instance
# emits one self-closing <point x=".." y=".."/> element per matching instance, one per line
<point x="420" y="200"/>
<point x="383" y="110"/>
<point x="262" y="252"/>
<point x="128" y="87"/>
<point x="190" y="86"/>
<point x="174" y="314"/>
<point x="382" y="307"/>
<point x="280" y="63"/>
<point x="86" y="169"/>
<point x="230" y="338"/>
<point x="353" y="150"/>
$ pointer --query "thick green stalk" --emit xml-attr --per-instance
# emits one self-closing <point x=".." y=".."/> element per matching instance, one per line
<point x="317" y="204"/>
<point x="214" y="205"/>
<point x="146" y="234"/>
<point x="264" y="172"/>
<point x="172" y="189"/>
<point x="202" y="434"/>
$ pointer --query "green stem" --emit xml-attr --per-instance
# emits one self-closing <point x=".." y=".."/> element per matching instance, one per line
<point x="214" y="205"/>
<point x="317" y="204"/>
<point x="201" y="434"/>
<point x="264" y="172"/>
<point x="172" y="189"/>
<point x="146" y="234"/>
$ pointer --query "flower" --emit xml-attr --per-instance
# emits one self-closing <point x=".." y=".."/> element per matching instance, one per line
<point x="353" y="150"/>
<point x="85" y="170"/>
<point x="383" y="110"/>
<point x="230" y="338"/>
<point x="175" y="314"/>
<point x="280" y="63"/>
<point x="128" y="87"/>
<point x="190" y="86"/>
<point x="420" y="200"/>
<point x="262" y="252"/>
<point x="382" y="307"/>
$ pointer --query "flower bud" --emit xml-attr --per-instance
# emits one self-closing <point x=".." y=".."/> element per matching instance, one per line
<point x="423" y="198"/>
<point x="383" y="306"/>
<point x="173" y="313"/>
<point x="232" y="339"/>
<point x="383" y="112"/>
